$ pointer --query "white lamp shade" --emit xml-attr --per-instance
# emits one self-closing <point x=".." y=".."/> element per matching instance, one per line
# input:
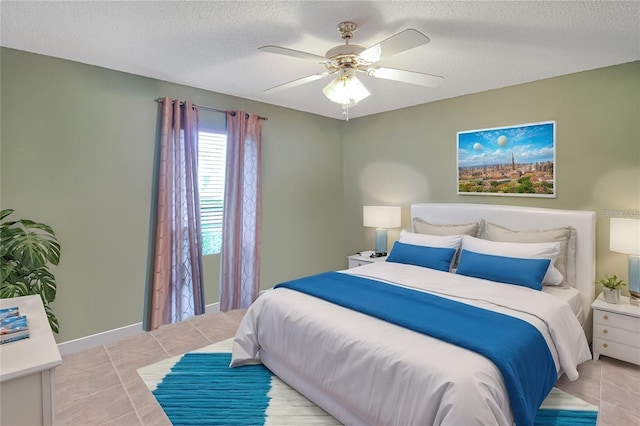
<point x="624" y="236"/>
<point x="346" y="89"/>
<point x="381" y="216"/>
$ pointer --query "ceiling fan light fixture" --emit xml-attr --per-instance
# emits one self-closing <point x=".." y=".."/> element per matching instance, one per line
<point x="347" y="59"/>
<point x="346" y="88"/>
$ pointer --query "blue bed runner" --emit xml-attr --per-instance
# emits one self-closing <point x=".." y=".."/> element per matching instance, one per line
<point x="516" y="347"/>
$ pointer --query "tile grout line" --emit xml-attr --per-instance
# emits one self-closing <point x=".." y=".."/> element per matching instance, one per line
<point x="92" y="394"/>
<point x="201" y="333"/>
<point x="600" y="376"/>
<point x="153" y="336"/>
<point x="135" y="408"/>
<point x="133" y="405"/>
<point x="119" y="417"/>
<point x="58" y="406"/>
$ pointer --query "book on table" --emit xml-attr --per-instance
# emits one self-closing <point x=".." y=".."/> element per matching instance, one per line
<point x="13" y="328"/>
<point x="9" y="312"/>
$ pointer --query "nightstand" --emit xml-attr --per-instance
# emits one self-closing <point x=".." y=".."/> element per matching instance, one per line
<point x="357" y="260"/>
<point x="616" y="330"/>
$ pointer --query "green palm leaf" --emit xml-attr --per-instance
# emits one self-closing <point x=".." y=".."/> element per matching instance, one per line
<point x="27" y="248"/>
<point x="32" y="244"/>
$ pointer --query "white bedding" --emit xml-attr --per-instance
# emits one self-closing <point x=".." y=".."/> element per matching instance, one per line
<point x="365" y="371"/>
<point x="570" y="296"/>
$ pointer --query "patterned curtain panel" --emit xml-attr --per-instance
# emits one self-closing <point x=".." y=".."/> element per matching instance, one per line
<point x="177" y="282"/>
<point x="241" y="229"/>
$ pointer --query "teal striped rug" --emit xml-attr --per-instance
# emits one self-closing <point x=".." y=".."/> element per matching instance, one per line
<point x="198" y="388"/>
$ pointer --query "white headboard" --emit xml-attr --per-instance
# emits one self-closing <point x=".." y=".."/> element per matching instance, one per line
<point x="526" y="218"/>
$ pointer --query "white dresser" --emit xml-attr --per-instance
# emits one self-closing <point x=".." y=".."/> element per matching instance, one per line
<point x="616" y="330"/>
<point x="27" y="369"/>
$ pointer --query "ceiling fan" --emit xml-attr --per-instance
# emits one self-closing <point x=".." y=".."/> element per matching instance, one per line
<point x="348" y="59"/>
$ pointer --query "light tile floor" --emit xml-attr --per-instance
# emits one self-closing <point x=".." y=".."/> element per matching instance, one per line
<point x="100" y="386"/>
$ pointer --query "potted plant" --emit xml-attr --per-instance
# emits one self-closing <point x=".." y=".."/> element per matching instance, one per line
<point x="612" y="286"/>
<point x="27" y="250"/>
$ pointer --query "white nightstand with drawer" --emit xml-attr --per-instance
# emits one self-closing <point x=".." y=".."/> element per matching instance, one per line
<point x="616" y="330"/>
<point x="358" y="260"/>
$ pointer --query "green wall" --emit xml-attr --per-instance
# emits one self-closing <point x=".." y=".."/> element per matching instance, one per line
<point x="77" y="152"/>
<point x="78" y="145"/>
<point x="409" y="155"/>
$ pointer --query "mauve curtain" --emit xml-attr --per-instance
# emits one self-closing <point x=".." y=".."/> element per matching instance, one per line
<point x="177" y="283"/>
<point x="242" y="223"/>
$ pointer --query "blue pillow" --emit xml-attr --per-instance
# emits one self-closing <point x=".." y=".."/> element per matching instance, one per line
<point x="429" y="257"/>
<point x="509" y="270"/>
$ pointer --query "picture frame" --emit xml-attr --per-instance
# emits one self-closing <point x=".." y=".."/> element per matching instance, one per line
<point x="514" y="161"/>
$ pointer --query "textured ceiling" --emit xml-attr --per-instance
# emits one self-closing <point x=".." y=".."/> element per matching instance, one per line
<point x="475" y="45"/>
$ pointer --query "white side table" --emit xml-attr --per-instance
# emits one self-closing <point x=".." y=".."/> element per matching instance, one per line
<point x="616" y="330"/>
<point x="27" y="368"/>
<point x="358" y="260"/>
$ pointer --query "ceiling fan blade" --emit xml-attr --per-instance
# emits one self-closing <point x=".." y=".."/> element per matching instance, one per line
<point x="294" y="53"/>
<point x="404" y="40"/>
<point x="412" y="77"/>
<point x="297" y="82"/>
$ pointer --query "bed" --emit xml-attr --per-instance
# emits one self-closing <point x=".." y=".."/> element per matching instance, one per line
<point x="335" y="338"/>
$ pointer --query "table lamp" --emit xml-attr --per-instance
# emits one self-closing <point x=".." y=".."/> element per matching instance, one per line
<point x="624" y="237"/>
<point x="381" y="218"/>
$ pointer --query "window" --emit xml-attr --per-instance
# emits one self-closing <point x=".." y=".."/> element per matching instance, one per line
<point x="212" y="154"/>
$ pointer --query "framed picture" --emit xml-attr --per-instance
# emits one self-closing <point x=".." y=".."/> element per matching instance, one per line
<point x="508" y="161"/>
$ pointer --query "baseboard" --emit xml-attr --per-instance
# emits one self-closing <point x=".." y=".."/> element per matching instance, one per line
<point x="109" y="336"/>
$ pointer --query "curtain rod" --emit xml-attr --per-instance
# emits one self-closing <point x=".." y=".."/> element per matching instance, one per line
<point x="160" y="100"/>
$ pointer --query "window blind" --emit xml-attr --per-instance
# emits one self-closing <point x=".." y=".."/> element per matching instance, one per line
<point x="212" y="154"/>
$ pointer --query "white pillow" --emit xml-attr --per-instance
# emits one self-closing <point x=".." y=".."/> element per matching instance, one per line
<point x="549" y="251"/>
<point x="442" y="241"/>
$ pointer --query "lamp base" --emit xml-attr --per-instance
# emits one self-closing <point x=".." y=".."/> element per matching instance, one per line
<point x="381" y="242"/>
